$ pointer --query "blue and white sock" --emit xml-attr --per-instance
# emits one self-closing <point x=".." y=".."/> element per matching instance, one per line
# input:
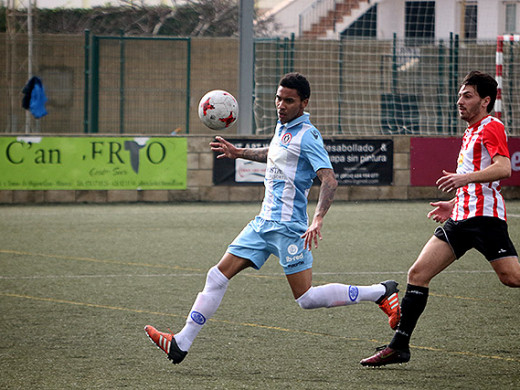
<point x="206" y="304"/>
<point x="335" y="294"/>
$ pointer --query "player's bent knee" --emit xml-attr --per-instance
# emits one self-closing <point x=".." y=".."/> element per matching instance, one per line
<point x="416" y="277"/>
<point x="510" y="280"/>
<point x="305" y="304"/>
<point x="306" y="301"/>
<point x="508" y="271"/>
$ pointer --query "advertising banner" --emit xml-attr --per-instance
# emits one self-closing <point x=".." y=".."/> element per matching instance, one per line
<point x="240" y="171"/>
<point x="93" y="163"/>
<point x="430" y="156"/>
<point x="362" y="162"/>
<point x="355" y="162"/>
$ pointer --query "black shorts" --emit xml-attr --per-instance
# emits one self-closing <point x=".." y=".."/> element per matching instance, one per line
<point x="488" y="235"/>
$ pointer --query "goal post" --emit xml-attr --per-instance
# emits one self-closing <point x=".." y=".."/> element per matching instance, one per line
<point x="506" y="76"/>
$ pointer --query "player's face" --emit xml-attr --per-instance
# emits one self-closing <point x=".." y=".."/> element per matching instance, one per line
<point x="289" y="106"/>
<point x="472" y="107"/>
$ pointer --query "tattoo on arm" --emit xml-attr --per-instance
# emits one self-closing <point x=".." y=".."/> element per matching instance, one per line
<point x="327" y="190"/>
<point x="255" y="154"/>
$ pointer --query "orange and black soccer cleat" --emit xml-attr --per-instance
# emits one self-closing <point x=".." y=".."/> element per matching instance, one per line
<point x="167" y="343"/>
<point x="389" y="303"/>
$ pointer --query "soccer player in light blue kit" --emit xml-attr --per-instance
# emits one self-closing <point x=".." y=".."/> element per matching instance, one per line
<point x="295" y="156"/>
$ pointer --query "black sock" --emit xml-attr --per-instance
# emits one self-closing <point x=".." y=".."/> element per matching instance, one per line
<point x="412" y="306"/>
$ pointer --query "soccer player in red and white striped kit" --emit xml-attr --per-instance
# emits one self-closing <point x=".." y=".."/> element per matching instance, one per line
<point x="474" y="218"/>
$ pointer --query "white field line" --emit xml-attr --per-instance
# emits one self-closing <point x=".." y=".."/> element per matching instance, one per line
<point x="169" y="275"/>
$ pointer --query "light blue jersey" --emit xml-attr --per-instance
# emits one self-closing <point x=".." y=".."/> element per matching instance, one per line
<point x="295" y="154"/>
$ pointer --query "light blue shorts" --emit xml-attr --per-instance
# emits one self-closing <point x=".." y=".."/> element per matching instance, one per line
<point x="261" y="238"/>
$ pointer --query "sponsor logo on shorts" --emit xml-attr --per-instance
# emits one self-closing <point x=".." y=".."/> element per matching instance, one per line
<point x="353" y="293"/>
<point x="292" y="250"/>
<point x="198" y="317"/>
<point x="290" y="259"/>
<point x="292" y="265"/>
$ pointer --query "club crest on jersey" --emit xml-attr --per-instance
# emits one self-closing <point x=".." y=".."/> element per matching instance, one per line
<point x="286" y="138"/>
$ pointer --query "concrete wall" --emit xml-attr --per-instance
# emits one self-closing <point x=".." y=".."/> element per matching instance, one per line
<point x="201" y="188"/>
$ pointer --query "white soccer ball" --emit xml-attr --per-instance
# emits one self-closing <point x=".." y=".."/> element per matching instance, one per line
<point x="218" y="109"/>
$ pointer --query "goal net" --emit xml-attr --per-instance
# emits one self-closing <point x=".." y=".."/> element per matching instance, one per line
<point x="371" y="87"/>
<point x="508" y="78"/>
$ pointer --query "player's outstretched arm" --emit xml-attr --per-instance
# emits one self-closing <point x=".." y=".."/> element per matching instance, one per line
<point x="498" y="170"/>
<point x="442" y="210"/>
<point x="327" y="190"/>
<point x="228" y="150"/>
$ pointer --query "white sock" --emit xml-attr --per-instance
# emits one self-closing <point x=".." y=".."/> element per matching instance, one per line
<point x="206" y="304"/>
<point x="335" y="294"/>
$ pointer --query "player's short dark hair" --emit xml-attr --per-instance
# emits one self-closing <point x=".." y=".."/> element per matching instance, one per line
<point x="484" y="84"/>
<point x="298" y="82"/>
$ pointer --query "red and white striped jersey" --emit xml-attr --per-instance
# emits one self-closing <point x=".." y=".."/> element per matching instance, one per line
<point x="481" y="142"/>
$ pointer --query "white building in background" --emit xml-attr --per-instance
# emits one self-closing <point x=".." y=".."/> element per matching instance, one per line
<point x="426" y="19"/>
<point x="478" y="19"/>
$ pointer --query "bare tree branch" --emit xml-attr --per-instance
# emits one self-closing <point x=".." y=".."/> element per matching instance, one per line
<point x="134" y="17"/>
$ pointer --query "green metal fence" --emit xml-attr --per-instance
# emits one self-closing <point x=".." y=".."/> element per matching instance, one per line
<point x="144" y="85"/>
<point x="131" y="83"/>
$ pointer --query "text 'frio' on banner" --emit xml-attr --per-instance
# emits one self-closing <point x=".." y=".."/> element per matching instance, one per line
<point x="93" y="163"/>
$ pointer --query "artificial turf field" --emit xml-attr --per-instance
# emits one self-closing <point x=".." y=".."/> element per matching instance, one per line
<point x="79" y="282"/>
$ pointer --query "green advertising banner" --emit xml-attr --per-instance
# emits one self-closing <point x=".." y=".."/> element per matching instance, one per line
<point x="93" y="163"/>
